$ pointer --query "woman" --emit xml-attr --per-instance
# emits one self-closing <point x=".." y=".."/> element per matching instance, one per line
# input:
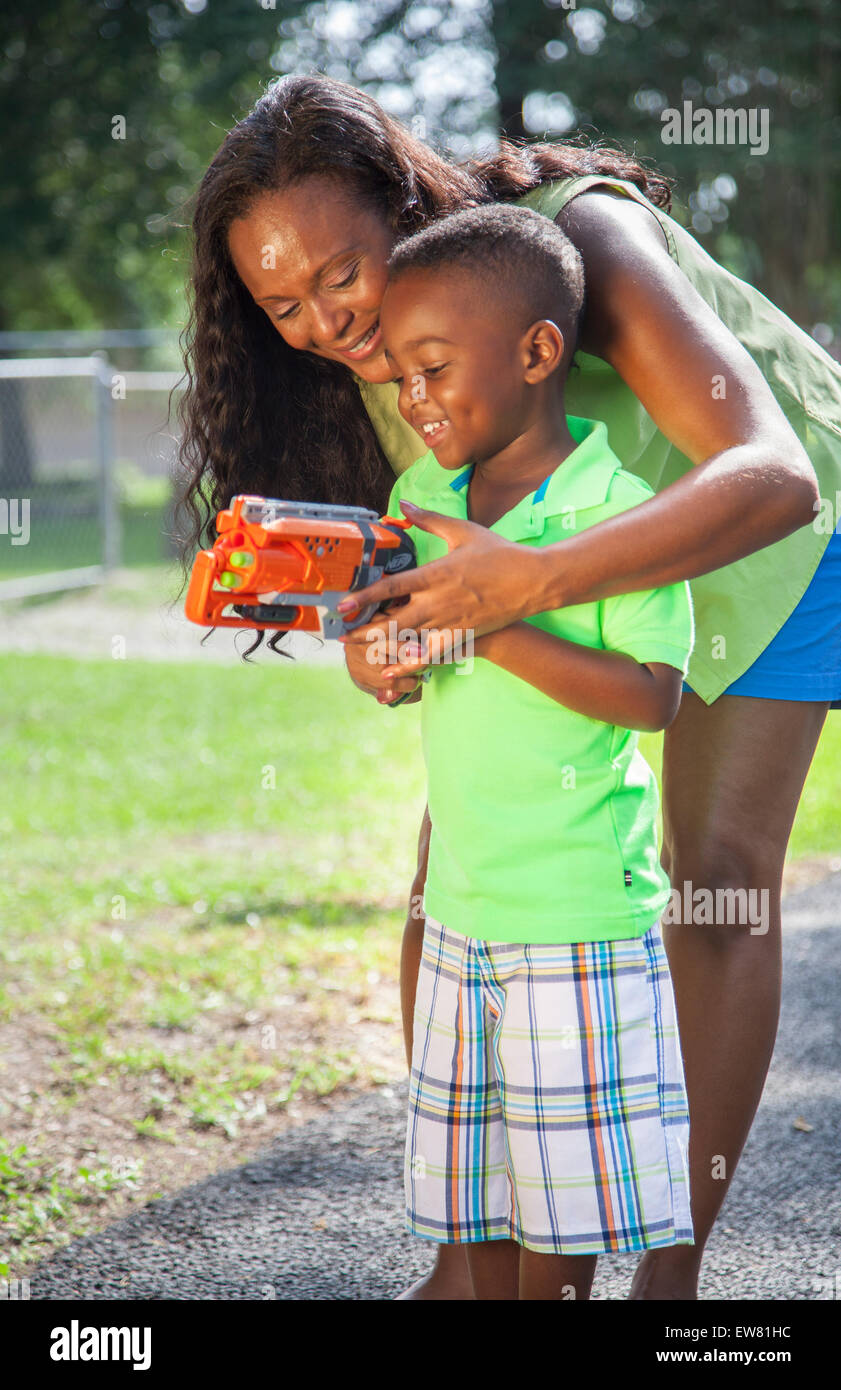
<point x="290" y="395"/>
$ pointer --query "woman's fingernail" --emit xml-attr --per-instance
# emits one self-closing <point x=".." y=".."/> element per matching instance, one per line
<point x="410" y="506"/>
<point x="346" y="605"/>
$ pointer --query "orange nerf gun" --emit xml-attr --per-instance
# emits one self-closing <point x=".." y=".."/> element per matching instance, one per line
<point x="286" y="565"/>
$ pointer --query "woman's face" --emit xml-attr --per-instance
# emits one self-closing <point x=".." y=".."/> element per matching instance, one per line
<point x="314" y="259"/>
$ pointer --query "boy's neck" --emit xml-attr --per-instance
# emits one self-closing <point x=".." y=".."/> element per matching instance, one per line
<point x="535" y="453"/>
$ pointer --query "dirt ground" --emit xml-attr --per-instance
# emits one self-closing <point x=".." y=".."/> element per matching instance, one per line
<point x="67" y="1126"/>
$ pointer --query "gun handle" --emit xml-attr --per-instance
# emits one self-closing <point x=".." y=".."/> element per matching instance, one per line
<point x="201" y="583"/>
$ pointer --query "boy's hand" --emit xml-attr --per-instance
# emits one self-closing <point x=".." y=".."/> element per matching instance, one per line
<point x="366" y="660"/>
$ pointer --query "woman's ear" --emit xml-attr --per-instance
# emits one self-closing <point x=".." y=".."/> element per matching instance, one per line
<point x="543" y="350"/>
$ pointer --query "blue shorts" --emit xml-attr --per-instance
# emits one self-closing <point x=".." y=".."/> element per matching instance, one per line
<point x="803" y="660"/>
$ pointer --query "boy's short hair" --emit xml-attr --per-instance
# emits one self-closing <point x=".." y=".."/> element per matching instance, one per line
<point x="523" y="257"/>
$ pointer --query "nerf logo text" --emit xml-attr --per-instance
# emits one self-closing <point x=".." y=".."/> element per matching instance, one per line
<point x="398" y="563"/>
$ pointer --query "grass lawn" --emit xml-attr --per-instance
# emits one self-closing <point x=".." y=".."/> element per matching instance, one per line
<point x="202" y="890"/>
<point x="203" y="881"/>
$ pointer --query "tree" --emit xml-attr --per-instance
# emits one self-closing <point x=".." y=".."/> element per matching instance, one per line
<point x="619" y="65"/>
<point x="111" y="111"/>
<point x="89" y="210"/>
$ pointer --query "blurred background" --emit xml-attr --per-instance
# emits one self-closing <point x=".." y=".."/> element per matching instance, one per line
<point x="205" y="865"/>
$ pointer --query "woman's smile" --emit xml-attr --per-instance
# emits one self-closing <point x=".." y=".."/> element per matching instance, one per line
<point x="370" y="342"/>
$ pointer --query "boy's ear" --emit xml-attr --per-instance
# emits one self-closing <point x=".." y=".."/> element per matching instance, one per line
<point x="543" y="350"/>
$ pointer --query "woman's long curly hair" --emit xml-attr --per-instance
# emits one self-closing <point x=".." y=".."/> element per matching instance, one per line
<point x="259" y="416"/>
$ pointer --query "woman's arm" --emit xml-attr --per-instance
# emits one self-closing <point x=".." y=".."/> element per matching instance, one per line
<point x="752" y="483"/>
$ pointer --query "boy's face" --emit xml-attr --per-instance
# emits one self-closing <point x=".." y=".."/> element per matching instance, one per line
<point x="460" y="361"/>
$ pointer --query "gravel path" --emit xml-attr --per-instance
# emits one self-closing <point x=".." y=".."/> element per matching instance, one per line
<point x="319" y="1214"/>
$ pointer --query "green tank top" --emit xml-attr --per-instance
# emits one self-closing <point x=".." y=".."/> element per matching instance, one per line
<point x="740" y="607"/>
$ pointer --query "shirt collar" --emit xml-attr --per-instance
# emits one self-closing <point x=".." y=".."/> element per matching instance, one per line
<point x="582" y="480"/>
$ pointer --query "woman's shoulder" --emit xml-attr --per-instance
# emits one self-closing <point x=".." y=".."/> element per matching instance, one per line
<point x="799" y="371"/>
<point x="552" y="195"/>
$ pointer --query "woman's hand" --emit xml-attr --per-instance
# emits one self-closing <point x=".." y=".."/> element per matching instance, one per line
<point x="484" y="583"/>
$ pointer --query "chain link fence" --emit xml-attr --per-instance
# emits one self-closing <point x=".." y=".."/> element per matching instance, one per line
<point x="86" y="458"/>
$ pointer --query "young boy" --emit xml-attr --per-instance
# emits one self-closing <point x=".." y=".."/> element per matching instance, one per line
<point x="547" y="1117"/>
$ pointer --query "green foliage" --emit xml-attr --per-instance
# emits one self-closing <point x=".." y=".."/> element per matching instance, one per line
<point x="89" y="222"/>
<point x="34" y="1198"/>
<point x="93" y="226"/>
<point x="620" y="63"/>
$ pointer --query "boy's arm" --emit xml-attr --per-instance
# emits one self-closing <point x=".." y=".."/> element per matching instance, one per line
<point x="605" y="685"/>
<point x="364" y="665"/>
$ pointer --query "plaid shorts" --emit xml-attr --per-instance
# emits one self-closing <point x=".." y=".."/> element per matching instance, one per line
<point x="547" y="1102"/>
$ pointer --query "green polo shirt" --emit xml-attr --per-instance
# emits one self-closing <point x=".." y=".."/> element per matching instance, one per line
<point x="544" y="820"/>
